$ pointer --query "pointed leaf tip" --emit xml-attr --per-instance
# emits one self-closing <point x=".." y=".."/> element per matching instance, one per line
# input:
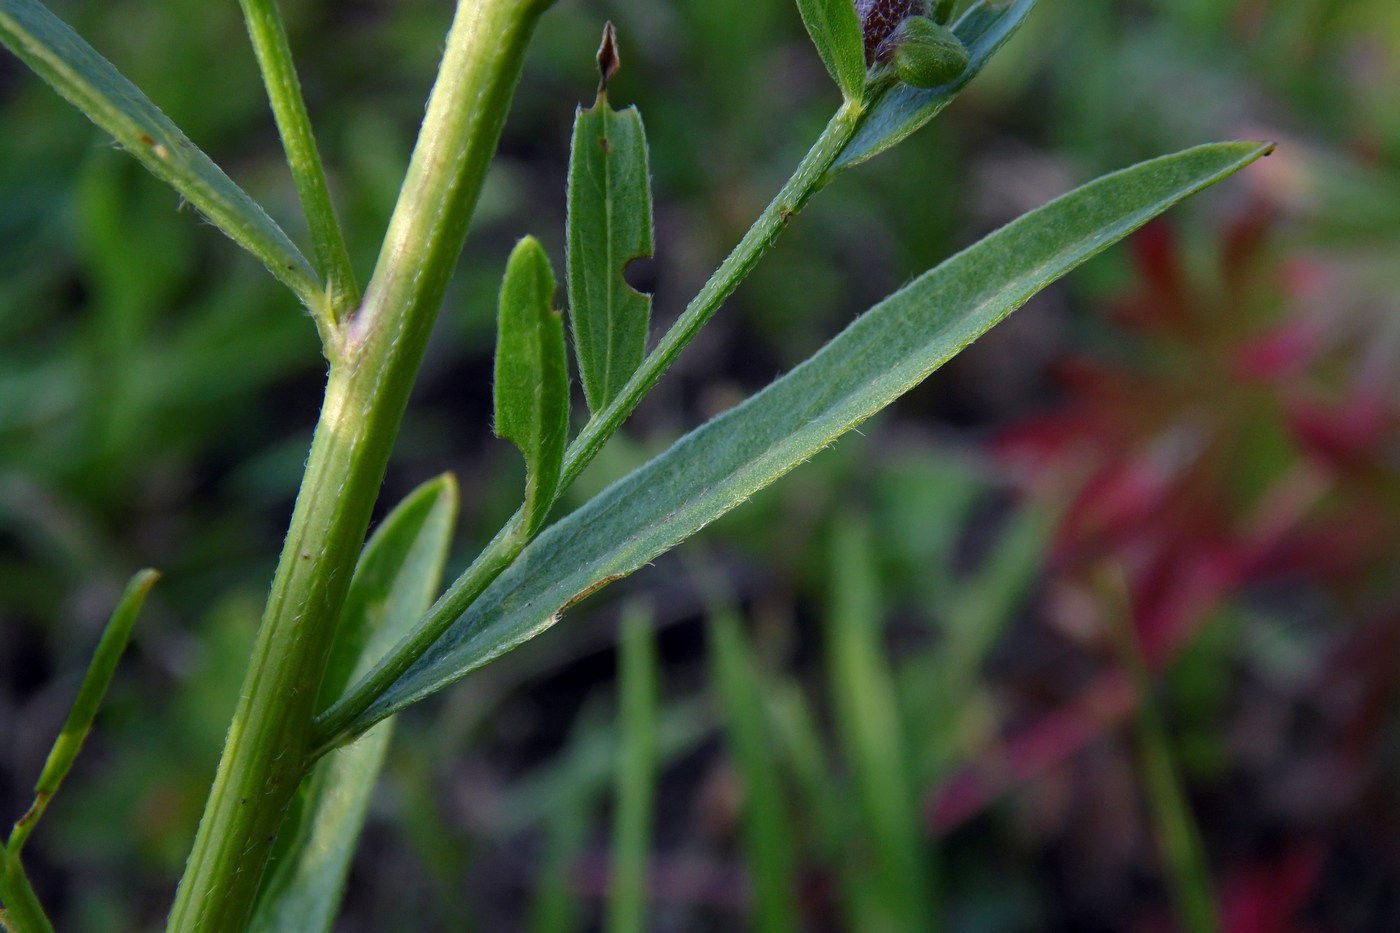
<point x="609" y="61"/>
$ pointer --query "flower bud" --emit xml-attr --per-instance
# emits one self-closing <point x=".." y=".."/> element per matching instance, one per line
<point x="926" y="54"/>
<point x="880" y="18"/>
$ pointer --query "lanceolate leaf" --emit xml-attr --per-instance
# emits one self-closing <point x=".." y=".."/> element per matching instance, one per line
<point x="903" y="108"/>
<point x="394" y="583"/>
<point x="882" y="355"/>
<point x="532" y="375"/>
<point x="835" y="31"/>
<point x="90" y="82"/>
<point x="609" y="226"/>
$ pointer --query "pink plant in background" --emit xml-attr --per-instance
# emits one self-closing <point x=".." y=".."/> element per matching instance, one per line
<point x="1247" y="435"/>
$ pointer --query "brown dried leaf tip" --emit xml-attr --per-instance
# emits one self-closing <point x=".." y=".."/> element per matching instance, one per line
<point x="608" y="59"/>
<point x="880" y="18"/>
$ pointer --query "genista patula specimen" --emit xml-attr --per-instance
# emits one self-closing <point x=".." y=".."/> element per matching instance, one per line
<point x="356" y="626"/>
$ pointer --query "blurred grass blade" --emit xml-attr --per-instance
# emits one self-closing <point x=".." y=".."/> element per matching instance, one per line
<point x="768" y="833"/>
<point x="89" y="82"/>
<point x="880" y="356"/>
<point x="591" y="763"/>
<point x="94" y="687"/>
<point x="609" y="226"/>
<point x="799" y="740"/>
<point x="983" y="607"/>
<point x="636" y="774"/>
<point x="868" y="723"/>
<point x="835" y="31"/>
<point x="555" y="908"/>
<point x="21" y="911"/>
<point x="532" y="375"/>
<point x="1188" y="871"/>
<point x="903" y="108"/>
<point x="396" y="579"/>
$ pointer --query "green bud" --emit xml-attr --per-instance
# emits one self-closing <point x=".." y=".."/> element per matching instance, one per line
<point x="927" y="54"/>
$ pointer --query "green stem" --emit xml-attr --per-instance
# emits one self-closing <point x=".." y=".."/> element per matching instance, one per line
<point x="274" y="56"/>
<point x="265" y="754"/>
<point x="333" y="727"/>
<point x="22" y="912"/>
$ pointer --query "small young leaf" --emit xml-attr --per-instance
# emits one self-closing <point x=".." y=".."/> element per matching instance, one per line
<point x="609" y="226"/>
<point x="883" y="354"/>
<point x="532" y="375"/>
<point x="89" y="82"/>
<point x="835" y="31"/>
<point x="94" y="687"/>
<point x="396" y="579"/>
<point x="903" y="108"/>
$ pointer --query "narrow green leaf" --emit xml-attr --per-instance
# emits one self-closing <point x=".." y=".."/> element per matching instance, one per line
<point x="768" y="833"/>
<point x="532" y="375"/>
<point x="636" y="774"/>
<point x="396" y="579"/>
<point x="609" y="226"/>
<point x="274" y="54"/>
<point x="835" y="31"/>
<point x="880" y="356"/>
<point x="867" y="720"/>
<point x="79" y="722"/>
<point x="21" y="911"/>
<point x="89" y="82"/>
<point x="903" y="108"/>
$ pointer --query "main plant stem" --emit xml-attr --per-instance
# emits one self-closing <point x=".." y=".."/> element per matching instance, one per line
<point x="374" y="360"/>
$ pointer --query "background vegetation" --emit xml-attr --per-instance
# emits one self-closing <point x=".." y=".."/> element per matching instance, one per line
<point x="914" y="659"/>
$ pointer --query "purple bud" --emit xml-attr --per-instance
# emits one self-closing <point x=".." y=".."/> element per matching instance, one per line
<point x="880" y="18"/>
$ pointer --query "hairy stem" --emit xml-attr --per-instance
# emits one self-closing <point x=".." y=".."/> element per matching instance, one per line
<point x="381" y="347"/>
<point x="22" y="912"/>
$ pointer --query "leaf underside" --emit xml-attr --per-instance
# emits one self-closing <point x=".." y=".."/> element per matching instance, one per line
<point x="93" y="85"/>
<point x="883" y="354"/>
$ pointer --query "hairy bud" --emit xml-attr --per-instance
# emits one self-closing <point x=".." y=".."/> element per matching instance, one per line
<point x="926" y="54"/>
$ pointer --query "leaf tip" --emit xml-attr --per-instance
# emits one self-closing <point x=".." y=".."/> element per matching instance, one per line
<point x="609" y="61"/>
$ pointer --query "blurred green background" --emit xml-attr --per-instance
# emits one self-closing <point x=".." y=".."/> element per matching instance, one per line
<point x="890" y="688"/>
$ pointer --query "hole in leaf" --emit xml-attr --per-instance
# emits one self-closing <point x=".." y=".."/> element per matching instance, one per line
<point x="641" y="274"/>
